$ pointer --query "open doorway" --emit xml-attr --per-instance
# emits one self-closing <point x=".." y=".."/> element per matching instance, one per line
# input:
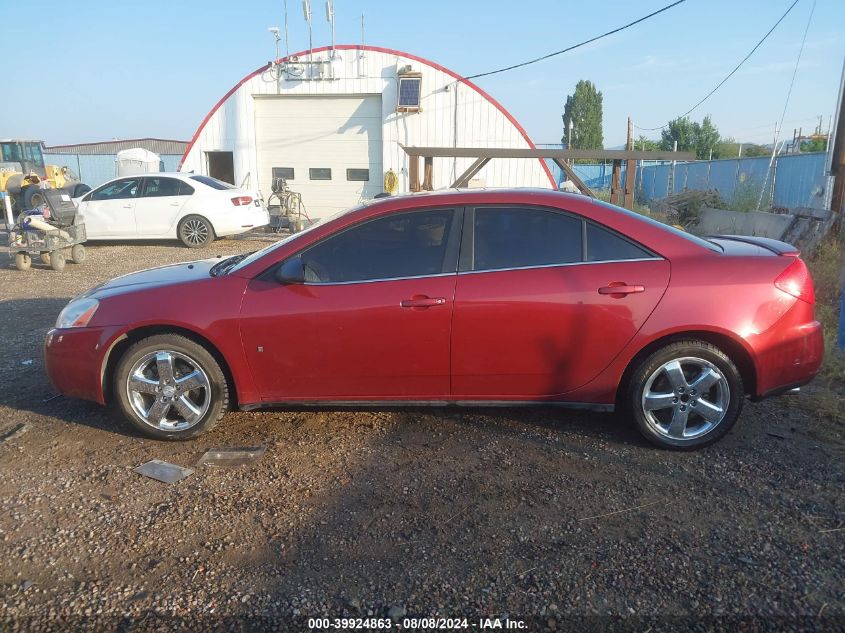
<point x="221" y="165"/>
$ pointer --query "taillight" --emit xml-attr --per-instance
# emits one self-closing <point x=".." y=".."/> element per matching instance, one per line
<point x="241" y="201"/>
<point x="796" y="281"/>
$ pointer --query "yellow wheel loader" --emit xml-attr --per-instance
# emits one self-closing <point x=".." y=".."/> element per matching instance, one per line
<point x="23" y="174"/>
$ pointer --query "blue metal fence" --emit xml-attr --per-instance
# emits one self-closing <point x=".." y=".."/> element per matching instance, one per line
<point x="794" y="180"/>
<point x="95" y="169"/>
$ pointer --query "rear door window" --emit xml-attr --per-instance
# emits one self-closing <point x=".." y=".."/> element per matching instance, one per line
<point x="158" y="187"/>
<point x="518" y="237"/>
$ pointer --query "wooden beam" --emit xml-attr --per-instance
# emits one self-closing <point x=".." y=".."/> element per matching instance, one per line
<point x="414" y="173"/>
<point x="566" y="154"/>
<point x="571" y="175"/>
<point x="428" y="175"/>
<point x="616" y="183"/>
<point x="464" y="178"/>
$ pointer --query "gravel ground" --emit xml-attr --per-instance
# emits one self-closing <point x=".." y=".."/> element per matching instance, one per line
<point x="563" y="521"/>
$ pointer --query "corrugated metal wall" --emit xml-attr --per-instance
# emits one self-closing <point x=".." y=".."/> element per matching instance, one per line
<point x="95" y="169"/>
<point x="799" y="179"/>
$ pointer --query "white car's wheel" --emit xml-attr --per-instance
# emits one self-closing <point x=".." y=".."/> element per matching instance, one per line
<point x="195" y="231"/>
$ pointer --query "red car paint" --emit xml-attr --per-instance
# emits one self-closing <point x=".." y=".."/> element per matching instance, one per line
<point x="561" y="334"/>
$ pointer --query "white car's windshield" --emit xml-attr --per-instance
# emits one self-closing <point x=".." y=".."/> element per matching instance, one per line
<point x="290" y="238"/>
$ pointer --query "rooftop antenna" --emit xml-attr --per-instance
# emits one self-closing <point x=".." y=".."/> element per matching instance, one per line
<point x="287" y="40"/>
<point x="275" y="63"/>
<point x="362" y="33"/>
<point x="330" y="20"/>
<point x="275" y="31"/>
<point x="306" y="12"/>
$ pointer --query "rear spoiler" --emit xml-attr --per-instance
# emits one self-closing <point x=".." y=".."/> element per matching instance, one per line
<point x="776" y="246"/>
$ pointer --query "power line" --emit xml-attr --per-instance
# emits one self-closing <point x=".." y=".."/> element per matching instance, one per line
<point x="730" y="74"/>
<point x="580" y="44"/>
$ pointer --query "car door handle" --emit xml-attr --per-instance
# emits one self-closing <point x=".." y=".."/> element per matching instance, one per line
<point x="618" y="289"/>
<point x="128" y="206"/>
<point x="422" y="302"/>
<point x="175" y="204"/>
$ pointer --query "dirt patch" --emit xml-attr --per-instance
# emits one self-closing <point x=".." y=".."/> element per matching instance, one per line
<point x="560" y="519"/>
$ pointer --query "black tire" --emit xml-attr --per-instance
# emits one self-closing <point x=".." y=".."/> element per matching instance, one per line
<point x="78" y="254"/>
<point x="57" y="261"/>
<point x="23" y="261"/>
<point x="32" y="197"/>
<point x="675" y="415"/>
<point x="195" y="231"/>
<point x="178" y="348"/>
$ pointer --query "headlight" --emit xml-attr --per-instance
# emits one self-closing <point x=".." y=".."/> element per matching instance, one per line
<point x="77" y="313"/>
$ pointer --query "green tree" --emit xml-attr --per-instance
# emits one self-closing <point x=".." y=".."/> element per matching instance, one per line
<point x="646" y="144"/>
<point x="706" y="139"/>
<point x="582" y="117"/>
<point x="751" y="150"/>
<point x="678" y="130"/>
<point x="727" y="148"/>
<point x="818" y="144"/>
<point x="691" y="136"/>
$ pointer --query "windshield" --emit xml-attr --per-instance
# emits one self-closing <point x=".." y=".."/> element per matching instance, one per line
<point x="290" y="238"/>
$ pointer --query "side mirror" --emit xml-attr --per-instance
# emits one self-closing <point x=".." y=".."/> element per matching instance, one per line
<point x="291" y="271"/>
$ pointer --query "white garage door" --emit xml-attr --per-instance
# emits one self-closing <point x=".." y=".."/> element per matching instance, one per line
<point x="331" y="145"/>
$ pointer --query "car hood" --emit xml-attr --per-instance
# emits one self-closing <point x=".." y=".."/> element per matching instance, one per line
<point x="155" y="277"/>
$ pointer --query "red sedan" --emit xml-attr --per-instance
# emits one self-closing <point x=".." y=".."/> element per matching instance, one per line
<point x="505" y="297"/>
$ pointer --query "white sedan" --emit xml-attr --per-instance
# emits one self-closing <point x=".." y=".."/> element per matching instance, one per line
<point x="192" y="208"/>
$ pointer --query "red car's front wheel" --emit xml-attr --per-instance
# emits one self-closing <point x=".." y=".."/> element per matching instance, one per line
<point x="170" y="387"/>
<point x="686" y="395"/>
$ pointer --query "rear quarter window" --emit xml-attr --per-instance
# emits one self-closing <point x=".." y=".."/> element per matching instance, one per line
<point x="213" y="182"/>
<point x="606" y="246"/>
<point x="669" y="229"/>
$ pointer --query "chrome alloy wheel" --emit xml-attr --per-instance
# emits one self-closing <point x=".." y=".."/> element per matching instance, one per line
<point x="168" y="390"/>
<point x="685" y="398"/>
<point x="195" y="232"/>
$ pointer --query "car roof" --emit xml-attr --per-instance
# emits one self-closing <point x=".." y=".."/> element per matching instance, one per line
<point x="655" y="236"/>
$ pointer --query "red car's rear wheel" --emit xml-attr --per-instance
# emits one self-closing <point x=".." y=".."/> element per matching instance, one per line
<point x="685" y="395"/>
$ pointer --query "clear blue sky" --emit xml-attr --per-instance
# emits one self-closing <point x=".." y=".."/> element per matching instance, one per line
<point x="103" y="69"/>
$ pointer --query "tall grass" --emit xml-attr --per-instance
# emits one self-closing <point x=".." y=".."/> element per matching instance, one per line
<point x="826" y="267"/>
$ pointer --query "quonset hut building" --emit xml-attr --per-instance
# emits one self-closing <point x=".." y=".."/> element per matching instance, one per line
<point x="331" y="121"/>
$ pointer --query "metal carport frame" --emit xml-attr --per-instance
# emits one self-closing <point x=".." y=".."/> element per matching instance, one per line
<point x="484" y="155"/>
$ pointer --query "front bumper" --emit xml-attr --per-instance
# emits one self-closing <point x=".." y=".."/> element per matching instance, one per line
<point x="74" y="360"/>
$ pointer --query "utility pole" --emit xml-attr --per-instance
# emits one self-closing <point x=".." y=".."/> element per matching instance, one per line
<point x="836" y="151"/>
<point x="630" y="169"/>
<point x="670" y="187"/>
